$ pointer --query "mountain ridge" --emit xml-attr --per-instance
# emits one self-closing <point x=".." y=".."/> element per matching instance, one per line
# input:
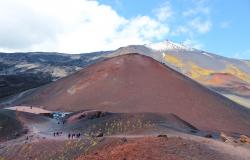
<point x="115" y="85"/>
<point x="196" y="64"/>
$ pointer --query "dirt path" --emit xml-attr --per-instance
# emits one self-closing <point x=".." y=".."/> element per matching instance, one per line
<point x="29" y="109"/>
<point x="236" y="152"/>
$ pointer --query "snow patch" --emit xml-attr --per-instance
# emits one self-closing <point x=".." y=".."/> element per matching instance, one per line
<point x="206" y="54"/>
<point x="168" y="45"/>
<point x="27" y="66"/>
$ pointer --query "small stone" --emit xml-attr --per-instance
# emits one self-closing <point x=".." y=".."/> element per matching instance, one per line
<point x="124" y="139"/>
<point x="208" y="135"/>
<point x="244" y="139"/>
<point x="162" y="135"/>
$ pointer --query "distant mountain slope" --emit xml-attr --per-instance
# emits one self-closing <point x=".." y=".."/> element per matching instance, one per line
<point x="196" y="64"/>
<point x="136" y="83"/>
<point x="200" y="66"/>
<point x="57" y="65"/>
<point x="22" y="71"/>
<point x="12" y="84"/>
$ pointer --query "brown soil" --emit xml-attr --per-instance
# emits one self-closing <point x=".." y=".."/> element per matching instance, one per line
<point x="153" y="149"/>
<point x="136" y="83"/>
<point x="45" y="150"/>
<point x="85" y="115"/>
<point x="126" y="123"/>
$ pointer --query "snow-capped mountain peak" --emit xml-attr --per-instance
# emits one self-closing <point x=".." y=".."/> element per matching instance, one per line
<point x="168" y="45"/>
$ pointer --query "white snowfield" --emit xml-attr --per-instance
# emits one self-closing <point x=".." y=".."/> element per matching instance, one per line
<point x="168" y="45"/>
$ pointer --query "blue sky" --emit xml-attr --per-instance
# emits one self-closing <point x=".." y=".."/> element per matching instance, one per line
<point x="81" y="26"/>
<point x="229" y="34"/>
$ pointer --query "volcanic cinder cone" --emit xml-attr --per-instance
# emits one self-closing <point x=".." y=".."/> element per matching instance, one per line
<point x="136" y="83"/>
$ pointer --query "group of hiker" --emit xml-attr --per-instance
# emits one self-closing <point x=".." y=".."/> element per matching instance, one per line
<point x="70" y="135"/>
<point x="73" y="135"/>
<point x="57" y="133"/>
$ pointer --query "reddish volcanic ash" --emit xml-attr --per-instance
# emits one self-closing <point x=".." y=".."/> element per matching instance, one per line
<point x="136" y="83"/>
<point x="154" y="148"/>
<point x="229" y="83"/>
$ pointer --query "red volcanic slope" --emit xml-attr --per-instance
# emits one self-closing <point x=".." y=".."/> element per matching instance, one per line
<point x="136" y="83"/>
<point x="230" y="83"/>
<point x="223" y="79"/>
<point x="153" y="148"/>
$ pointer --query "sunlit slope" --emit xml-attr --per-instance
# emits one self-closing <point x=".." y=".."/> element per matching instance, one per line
<point x="201" y="66"/>
<point x="229" y="78"/>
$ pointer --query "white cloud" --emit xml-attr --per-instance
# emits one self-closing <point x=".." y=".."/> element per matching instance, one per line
<point x="164" y="12"/>
<point x="202" y="26"/>
<point x="195" y="21"/>
<point x="195" y="11"/>
<point x="200" y="7"/>
<point x="72" y="26"/>
<point x="181" y="30"/>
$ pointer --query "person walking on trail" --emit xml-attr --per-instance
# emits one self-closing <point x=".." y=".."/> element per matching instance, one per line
<point x="78" y="135"/>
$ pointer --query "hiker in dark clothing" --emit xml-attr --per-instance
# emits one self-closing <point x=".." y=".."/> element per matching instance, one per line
<point x="69" y="135"/>
<point x="78" y="135"/>
<point x="54" y="134"/>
